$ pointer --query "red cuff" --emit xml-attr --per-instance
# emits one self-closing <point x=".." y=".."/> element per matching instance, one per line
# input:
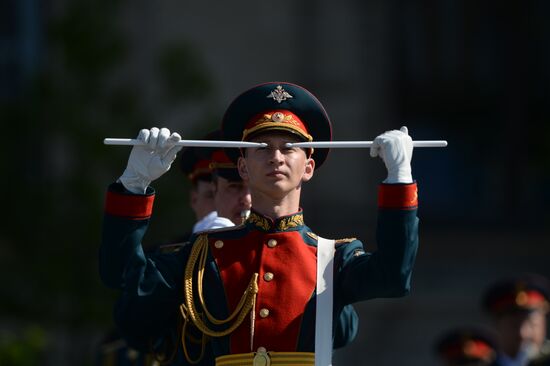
<point x="136" y="207"/>
<point x="402" y="196"/>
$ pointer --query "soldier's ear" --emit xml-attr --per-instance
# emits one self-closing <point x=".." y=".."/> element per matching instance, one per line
<point x="243" y="170"/>
<point x="309" y="169"/>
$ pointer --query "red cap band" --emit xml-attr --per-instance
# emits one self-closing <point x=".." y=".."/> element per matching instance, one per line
<point x="472" y="349"/>
<point x="202" y="167"/>
<point x="221" y="160"/>
<point x="279" y="119"/>
<point x="522" y="299"/>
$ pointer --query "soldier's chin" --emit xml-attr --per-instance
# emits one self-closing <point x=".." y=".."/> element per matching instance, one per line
<point x="237" y="219"/>
<point x="281" y="189"/>
<point x="530" y="349"/>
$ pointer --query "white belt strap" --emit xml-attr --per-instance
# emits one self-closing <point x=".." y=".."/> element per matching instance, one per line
<point x="325" y="289"/>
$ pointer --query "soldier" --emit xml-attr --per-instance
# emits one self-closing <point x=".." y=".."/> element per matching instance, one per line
<point x="232" y="200"/>
<point x="518" y="307"/>
<point x="252" y="289"/>
<point x="232" y="203"/>
<point x="467" y="347"/>
<point x="196" y="167"/>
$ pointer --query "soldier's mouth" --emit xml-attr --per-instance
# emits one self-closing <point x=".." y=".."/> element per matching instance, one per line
<point x="276" y="173"/>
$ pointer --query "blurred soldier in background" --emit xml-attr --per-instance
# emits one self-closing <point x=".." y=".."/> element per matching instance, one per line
<point x="195" y="165"/>
<point x="518" y="308"/>
<point x="467" y="347"/>
<point x="231" y="196"/>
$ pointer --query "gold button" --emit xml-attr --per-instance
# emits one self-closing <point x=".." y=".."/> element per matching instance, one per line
<point x="264" y="313"/>
<point x="268" y="276"/>
<point x="271" y="243"/>
<point x="218" y="244"/>
<point x="261" y="358"/>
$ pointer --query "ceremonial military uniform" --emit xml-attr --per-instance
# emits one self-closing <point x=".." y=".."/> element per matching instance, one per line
<point x="251" y="289"/>
<point x="153" y="287"/>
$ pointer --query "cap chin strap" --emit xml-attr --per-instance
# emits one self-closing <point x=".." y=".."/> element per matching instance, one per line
<point x="323" y="328"/>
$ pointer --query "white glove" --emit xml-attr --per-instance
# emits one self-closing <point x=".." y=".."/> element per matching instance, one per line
<point x="395" y="148"/>
<point x="150" y="161"/>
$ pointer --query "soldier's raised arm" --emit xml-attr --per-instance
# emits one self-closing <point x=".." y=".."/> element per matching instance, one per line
<point x="128" y="207"/>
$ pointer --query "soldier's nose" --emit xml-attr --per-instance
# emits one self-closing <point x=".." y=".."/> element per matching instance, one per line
<point x="276" y="157"/>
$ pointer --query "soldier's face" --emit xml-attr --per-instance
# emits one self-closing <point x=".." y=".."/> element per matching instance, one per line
<point x="202" y="198"/>
<point x="232" y="198"/>
<point x="522" y="331"/>
<point x="276" y="170"/>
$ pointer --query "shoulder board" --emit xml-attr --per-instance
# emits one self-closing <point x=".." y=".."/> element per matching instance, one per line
<point x="337" y="241"/>
<point x="312" y="235"/>
<point x="344" y="240"/>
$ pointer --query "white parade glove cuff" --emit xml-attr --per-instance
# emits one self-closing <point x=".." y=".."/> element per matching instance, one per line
<point x="399" y="175"/>
<point x="133" y="182"/>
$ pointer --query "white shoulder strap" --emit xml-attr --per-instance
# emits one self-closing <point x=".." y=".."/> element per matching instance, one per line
<point x="323" y="328"/>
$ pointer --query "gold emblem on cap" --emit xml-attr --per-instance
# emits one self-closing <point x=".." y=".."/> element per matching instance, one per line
<point x="279" y="94"/>
<point x="277" y="117"/>
<point x="521" y="299"/>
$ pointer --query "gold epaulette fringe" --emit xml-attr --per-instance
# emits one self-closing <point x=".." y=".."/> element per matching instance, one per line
<point x="312" y="235"/>
<point x="337" y="241"/>
<point x="345" y="240"/>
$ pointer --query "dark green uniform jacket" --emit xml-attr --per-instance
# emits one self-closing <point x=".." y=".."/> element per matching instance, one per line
<point x="281" y="251"/>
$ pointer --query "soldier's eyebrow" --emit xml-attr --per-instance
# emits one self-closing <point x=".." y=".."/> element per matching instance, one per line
<point x="270" y="144"/>
<point x="273" y="146"/>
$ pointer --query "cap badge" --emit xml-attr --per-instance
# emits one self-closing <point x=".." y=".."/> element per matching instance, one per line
<point x="279" y="94"/>
<point x="277" y="117"/>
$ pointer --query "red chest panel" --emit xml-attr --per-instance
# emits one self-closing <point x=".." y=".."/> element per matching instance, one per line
<point x="287" y="278"/>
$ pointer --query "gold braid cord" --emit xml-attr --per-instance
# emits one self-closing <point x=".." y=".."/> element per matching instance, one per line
<point x="189" y="311"/>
